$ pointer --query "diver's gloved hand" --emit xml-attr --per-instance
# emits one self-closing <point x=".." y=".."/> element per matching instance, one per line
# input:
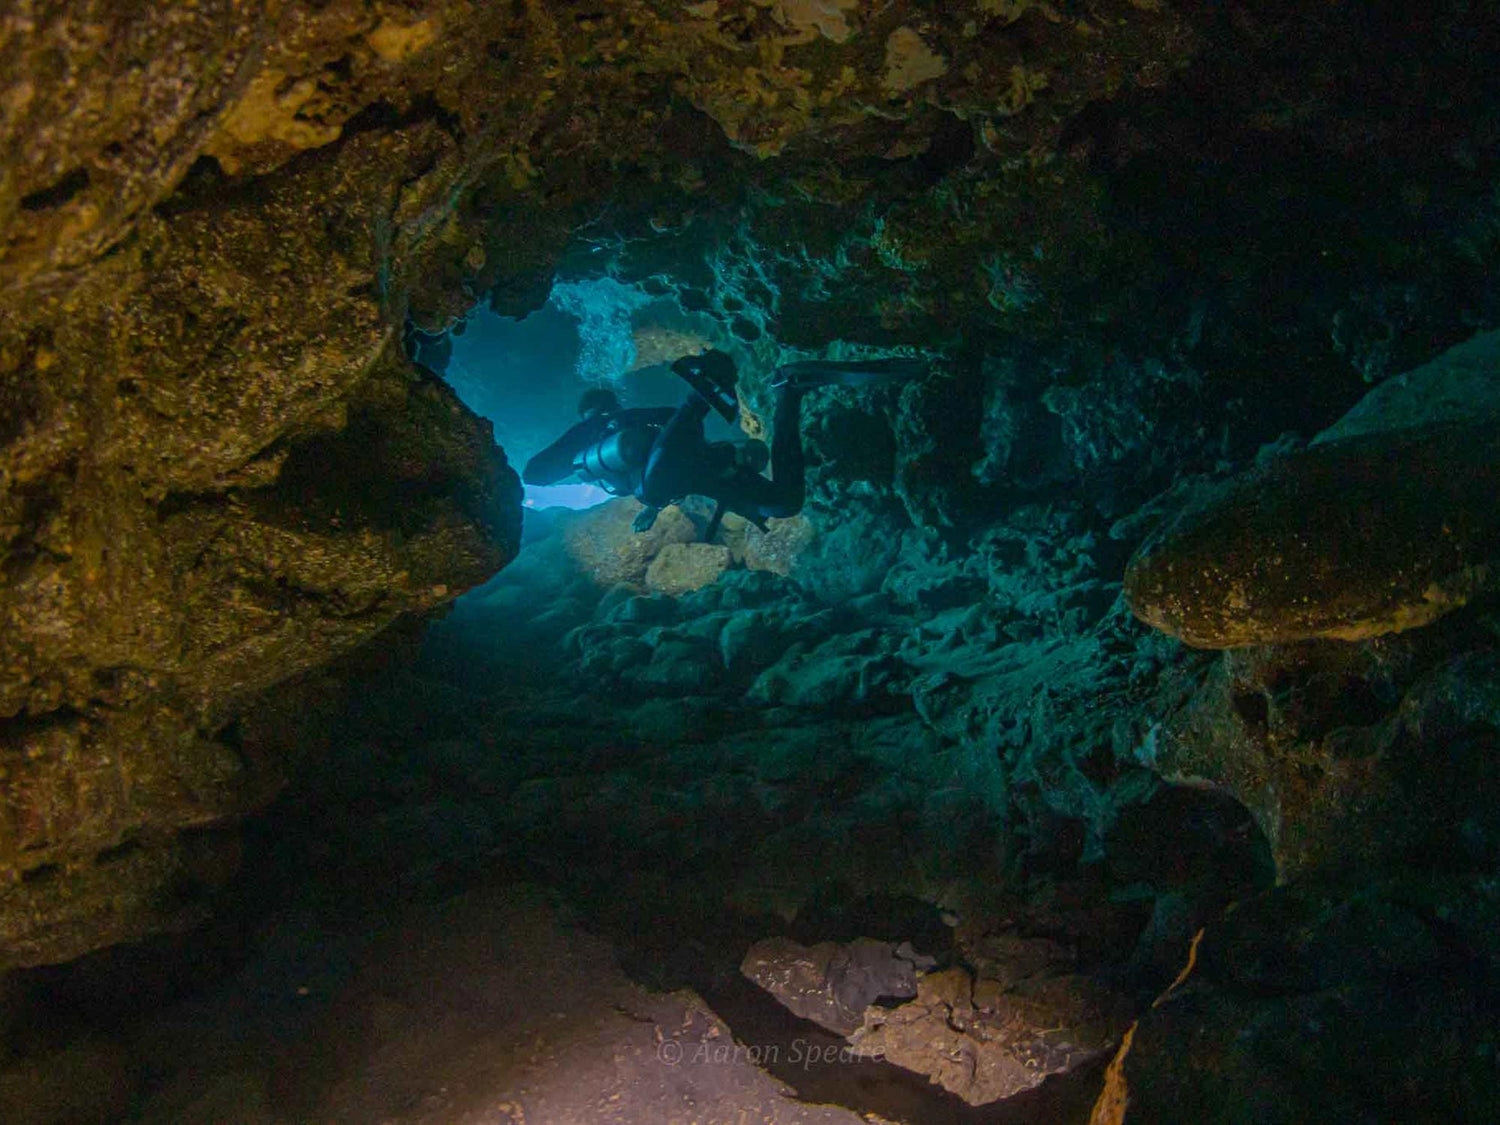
<point x="645" y="519"/>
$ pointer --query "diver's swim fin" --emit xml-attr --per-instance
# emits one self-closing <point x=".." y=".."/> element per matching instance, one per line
<point x="849" y="372"/>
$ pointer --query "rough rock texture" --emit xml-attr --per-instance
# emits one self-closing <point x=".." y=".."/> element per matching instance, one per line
<point x="984" y="1041"/>
<point x="1347" y="540"/>
<point x="1350" y="757"/>
<point x="778" y="548"/>
<point x="216" y="220"/>
<point x="1461" y="384"/>
<point x="601" y="543"/>
<point x="141" y="618"/>
<point x="1383" y="524"/>
<point x="215" y="469"/>
<point x="1318" y="1003"/>
<point x="681" y="567"/>
<point x="833" y="984"/>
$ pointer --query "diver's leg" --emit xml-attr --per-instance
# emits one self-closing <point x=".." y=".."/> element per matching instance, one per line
<point x="676" y="451"/>
<point x="788" y="484"/>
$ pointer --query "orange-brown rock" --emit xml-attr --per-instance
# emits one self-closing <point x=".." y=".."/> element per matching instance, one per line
<point x="1346" y="540"/>
<point x="216" y="471"/>
<point x="985" y="1042"/>
<point x="683" y="567"/>
<point x="602" y="544"/>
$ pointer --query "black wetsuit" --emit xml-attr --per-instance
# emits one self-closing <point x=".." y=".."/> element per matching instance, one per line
<point x="661" y="456"/>
<point x="683" y="463"/>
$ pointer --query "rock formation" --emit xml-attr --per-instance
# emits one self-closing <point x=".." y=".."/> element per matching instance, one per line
<point x="1348" y="540"/>
<point x="1297" y="995"/>
<point x="833" y="985"/>
<point x="1142" y="244"/>
<point x="985" y="1043"/>
<point x="218" y="472"/>
<point x="983" y="1039"/>
<point x="211" y="228"/>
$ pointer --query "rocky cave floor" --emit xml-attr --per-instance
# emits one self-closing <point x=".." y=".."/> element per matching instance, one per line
<point x="440" y="926"/>
<point x="1115" y="740"/>
<point x="514" y="879"/>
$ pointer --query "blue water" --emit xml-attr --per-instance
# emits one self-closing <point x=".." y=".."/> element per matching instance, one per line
<point x="526" y="375"/>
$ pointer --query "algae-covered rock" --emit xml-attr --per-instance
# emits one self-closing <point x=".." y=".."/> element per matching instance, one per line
<point x="681" y="567"/>
<point x="1347" y="540"/>
<point x="909" y="62"/>
<point x="216" y="469"/>
<point x="602" y="543"/>
<point x="135" y="633"/>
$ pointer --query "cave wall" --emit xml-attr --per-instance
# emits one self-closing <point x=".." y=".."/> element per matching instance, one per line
<point x="1131" y="234"/>
<point x="218" y="469"/>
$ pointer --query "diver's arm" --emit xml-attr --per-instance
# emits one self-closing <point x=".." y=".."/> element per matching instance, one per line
<point x="648" y="415"/>
<point x="555" y="463"/>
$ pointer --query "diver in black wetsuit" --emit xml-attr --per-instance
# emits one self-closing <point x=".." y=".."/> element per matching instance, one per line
<point x="682" y="463"/>
<point x="608" y="447"/>
<point x="660" y="455"/>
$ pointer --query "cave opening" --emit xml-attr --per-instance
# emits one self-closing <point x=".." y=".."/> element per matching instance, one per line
<point x="526" y="374"/>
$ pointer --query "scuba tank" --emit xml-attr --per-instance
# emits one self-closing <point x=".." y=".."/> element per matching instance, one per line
<point x="615" y="462"/>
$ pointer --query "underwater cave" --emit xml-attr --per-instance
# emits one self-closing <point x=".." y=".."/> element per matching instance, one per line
<point x="794" y="561"/>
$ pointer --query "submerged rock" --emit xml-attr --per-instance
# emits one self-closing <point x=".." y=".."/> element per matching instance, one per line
<point x="1455" y="387"/>
<point x="1347" y="540"/>
<point x="984" y="1041"/>
<point x="140" y="620"/>
<point x="1319" y="1003"/>
<point x="682" y="567"/>
<point x="602" y="543"/>
<point x="778" y="548"/>
<point x="833" y="984"/>
<point x="1350" y="757"/>
<point x="216" y="469"/>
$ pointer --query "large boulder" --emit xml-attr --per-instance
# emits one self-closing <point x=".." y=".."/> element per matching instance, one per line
<point x="1346" y="540"/>
<point x="984" y="1041"/>
<point x="778" y="548"/>
<point x="680" y="568"/>
<point x="1385" y="523"/>
<point x="602" y="543"/>
<point x="833" y="984"/>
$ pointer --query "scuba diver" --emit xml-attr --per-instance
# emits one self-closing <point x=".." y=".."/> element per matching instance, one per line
<point x="660" y="456"/>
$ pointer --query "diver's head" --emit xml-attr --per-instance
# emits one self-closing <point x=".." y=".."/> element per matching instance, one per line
<point x="598" y="400"/>
<point x="753" y="455"/>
